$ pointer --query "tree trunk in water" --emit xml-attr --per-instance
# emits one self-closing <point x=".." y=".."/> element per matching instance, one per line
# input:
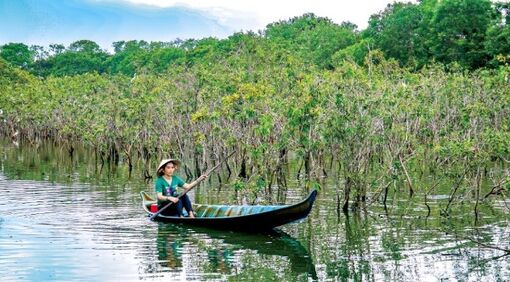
<point x="243" y="173"/>
<point x="477" y="192"/>
<point x="71" y="152"/>
<point x="197" y="166"/>
<point x="347" y="192"/>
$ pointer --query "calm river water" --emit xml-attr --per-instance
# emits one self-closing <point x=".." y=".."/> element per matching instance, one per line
<point x="64" y="219"/>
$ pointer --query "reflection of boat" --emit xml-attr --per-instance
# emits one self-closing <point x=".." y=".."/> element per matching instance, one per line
<point x="238" y="217"/>
<point x="220" y="256"/>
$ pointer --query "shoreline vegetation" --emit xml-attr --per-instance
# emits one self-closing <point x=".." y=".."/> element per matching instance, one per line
<point x="330" y="97"/>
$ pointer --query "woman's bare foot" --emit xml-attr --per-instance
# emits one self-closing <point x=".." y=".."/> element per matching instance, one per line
<point x="191" y="215"/>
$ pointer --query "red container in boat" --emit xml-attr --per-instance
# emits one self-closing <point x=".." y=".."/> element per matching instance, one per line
<point x="154" y="207"/>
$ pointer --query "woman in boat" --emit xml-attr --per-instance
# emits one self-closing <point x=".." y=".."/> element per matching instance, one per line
<point x="166" y="187"/>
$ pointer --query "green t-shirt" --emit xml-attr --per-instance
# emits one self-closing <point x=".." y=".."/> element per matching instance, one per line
<point x="163" y="186"/>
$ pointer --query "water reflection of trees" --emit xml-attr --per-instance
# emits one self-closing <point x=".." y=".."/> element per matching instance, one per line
<point x="374" y="247"/>
<point x="205" y="253"/>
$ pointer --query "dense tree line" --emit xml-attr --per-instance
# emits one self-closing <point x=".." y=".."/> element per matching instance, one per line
<point x="382" y="117"/>
<point x="469" y="33"/>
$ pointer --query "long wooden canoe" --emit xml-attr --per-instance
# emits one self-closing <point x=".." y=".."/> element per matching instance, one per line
<point x="238" y="217"/>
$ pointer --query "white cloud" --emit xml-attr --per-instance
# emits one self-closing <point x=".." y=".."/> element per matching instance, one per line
<point x="255" y="15"/>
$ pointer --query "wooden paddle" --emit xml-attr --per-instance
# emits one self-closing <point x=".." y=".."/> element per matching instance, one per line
<point x="188" y="189"/>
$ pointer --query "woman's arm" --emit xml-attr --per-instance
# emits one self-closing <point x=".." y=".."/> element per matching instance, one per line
<point x="195" y="183"/>
<point x="167" y="198"/>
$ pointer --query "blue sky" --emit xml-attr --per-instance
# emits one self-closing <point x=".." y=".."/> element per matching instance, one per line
<point x="43" y="22"/>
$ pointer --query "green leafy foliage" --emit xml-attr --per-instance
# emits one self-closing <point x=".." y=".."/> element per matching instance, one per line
<point x="18" y="54"/>
<point x="312" y="38"/>
<point x="458" y="31"/>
